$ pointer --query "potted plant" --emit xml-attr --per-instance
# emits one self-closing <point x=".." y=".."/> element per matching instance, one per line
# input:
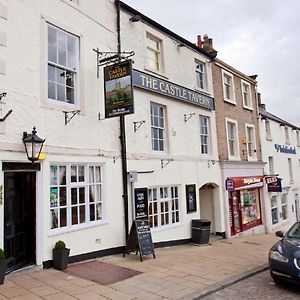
<point x="3" y="266"/>
<point x="60" y="256"/>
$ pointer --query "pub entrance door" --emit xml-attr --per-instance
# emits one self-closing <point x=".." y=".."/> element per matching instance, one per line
<point x="20" y="218"/>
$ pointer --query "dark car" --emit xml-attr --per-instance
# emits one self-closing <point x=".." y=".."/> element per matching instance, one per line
<point x="284" y="256"/>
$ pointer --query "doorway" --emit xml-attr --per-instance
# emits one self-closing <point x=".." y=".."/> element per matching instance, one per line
<point x="20" y="218"/>
<point x="207" y="207"/>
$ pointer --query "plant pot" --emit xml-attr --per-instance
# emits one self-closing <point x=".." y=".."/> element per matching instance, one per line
<point x="3" y="267"/>
<point x="60" y="258"/>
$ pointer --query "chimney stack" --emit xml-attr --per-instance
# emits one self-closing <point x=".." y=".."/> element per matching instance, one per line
<point x="260" y="105"/>
<point x="199" y="41"/>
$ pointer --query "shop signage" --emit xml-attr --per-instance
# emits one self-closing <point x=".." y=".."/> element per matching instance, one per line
<point x="166" y="88"/>
<point x="141" y="203"/>
<point x="273" y="183"/>
<point x="243" y="182"/>
<point x="285" y="149"/>
<point x="118" y="89"/>
<point x="190" y="191"/>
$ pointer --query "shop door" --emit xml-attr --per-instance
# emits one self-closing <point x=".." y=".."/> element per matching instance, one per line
<point x="19" y="218"/>
<point x="235" y="212"/>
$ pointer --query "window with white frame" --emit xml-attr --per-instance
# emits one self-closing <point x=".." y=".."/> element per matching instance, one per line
<point x="271" y="165"/>
<point x="204" y="134"/>
<point x="157" y="127"/>
<point x="291" y="174"/>
<point x="75" y="195"/>
<point x="63" y="65"/>
<point x="232" y="141"/>
<point x="250" y="141"/>
<point x="200" y="71"/>
<point x="274" y="210"/>
<point x="268" y="130"/>
<point x="163" y="206"/>
<point x="298" y="138"/>
<point x="284" y="207"/>
<point x="287" y="135"/>
<point x="246" y="94"/>
<point x="228" y="87"/>
<point x="154" y="53"/>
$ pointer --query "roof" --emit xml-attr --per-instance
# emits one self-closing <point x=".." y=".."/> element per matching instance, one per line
<point x="165" y="30"/>
<point x="267" y="115"/>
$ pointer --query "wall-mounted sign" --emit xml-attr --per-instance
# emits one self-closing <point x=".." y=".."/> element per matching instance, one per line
<point x="240" y="183"/>
<point x="118" y="89"/>
<point x="191" y="202"/>
<point x="285" y="149"/>
<point x="166" y="88"/>
<point x="273" y="183"/>
<point x="141" y="203"/>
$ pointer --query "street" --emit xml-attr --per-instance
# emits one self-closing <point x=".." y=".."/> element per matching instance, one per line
<point x="260" y="286"/>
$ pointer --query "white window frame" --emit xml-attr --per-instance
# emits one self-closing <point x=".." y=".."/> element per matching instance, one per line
<point x="86" y="184"/>
<point x="249" y="94"/>
<point x="237" y="146"/>
<point x="287" y="135"/>
<point x="203" y="74"/>
<point x="169" y="201"/>
<point x="271" y="165"/>
<point x="55" y="102"/>
<point x="231" y="90"/>
<point x="206" y="135"/>
<point x="284" y="196"/>
<point x="273" y="208"/>
<point x="157" y="129"/>
<point x="291" y="173"/>
<point x="268" y="130"/>
<point x="298" y="138"/>
<point x="157" y="51"/>
<point x="253" y="156"/>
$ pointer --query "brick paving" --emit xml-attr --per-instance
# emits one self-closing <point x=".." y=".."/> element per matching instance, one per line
<point x="178" y="272"/>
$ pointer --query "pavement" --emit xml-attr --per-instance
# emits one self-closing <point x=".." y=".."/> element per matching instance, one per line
<point x="178" y="272"/>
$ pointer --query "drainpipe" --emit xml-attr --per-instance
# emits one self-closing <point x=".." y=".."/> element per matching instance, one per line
<point x="123" y="135"/>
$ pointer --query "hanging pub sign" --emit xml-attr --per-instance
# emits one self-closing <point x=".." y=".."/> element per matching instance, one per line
<point x="273" y="183"/>
<point x="118" y="89"/>
<point x="141" y="203"/>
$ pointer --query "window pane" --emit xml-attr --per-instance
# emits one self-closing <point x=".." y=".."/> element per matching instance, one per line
<point x="92" y="212"/>
<point x="99" y="211"/>
<point x="82" y="213"/>
<point x="81" y="195"/>
<point x="74" y="215"/>
<point x="98" y="175"/>
<point x="62" y="196"/>
<point x="74" y="196"/>
<point x="53" y="175"/>
<point x="63" y="217"/>
<point x="60" y="76"/>
<point x="80" y="173"/>
<point x="51" y="90"/>
<point x="54" y="218"/>
<point x="51" y="73"/>
<point x="62" y="175"/>
<point x="61" y="92"/>
<point x="71" y="63"/>
<point x="73" y="174"/>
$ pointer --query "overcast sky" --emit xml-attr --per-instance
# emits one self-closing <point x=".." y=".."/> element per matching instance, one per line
<point x="255" y="36"/>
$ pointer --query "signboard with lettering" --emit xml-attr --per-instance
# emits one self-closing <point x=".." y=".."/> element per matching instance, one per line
<point x="237" y="183"/>
<point x="140" y="239"/>
<point x="273" y="183"/>
<point x="118" y="89"/>
<point x="166" y="88"/>
<point x="141" y="203"/>
<point x="285" y="149"/>
<point x="191" y="203"/>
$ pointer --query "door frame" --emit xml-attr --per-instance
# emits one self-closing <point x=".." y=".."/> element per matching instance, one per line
<point x="6" y="166"/>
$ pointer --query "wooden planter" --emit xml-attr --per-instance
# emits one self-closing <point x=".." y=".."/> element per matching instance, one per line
<point x="60" y="258"/>
<point x="3" y="267"/>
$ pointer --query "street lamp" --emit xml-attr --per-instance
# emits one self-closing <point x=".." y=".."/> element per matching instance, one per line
<point x="33" y="145"/>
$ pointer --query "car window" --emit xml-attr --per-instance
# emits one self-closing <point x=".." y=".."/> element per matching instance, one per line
<point x="294" y="232"/>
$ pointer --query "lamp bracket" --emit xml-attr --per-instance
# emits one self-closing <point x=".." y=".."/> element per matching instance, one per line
<point x="115" y="158"/>
<point x="2" y="95"/>
<point x="7" y="114"/>
<point x="211" y="163"/>
<point x="165" y="162"/>
<point x="105" y="58"/>
<point x="188" y="116"/>
<point x="69" y="115"/>
<point x="137" y="125"/>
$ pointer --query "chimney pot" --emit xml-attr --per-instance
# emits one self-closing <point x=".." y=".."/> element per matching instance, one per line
<point x="199" y="41"/>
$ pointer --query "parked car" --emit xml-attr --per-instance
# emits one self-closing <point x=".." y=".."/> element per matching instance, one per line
<point x="284" y="256"/>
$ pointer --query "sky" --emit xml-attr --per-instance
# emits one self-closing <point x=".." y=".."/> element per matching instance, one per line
<point x="259" y="37"/>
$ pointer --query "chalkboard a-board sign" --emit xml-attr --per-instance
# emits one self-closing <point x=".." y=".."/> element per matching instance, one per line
<point x="140" y="239"/>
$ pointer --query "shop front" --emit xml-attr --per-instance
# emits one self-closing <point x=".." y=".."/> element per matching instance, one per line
<point x="244" y="203"/>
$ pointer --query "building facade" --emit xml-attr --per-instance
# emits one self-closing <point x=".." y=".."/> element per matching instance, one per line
<point x="239" y="149"/>
<point x="280" y="149"/>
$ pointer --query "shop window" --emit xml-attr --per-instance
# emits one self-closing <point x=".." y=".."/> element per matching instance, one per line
<point x="200" y="71"/>
<point x="250" y="206"/>
<point x="284" y="207"/>
<point x="246" y="94"/>
<point x="232" y="140"/>
<point x="157" y="127"/>
<point x="228" y="87"/>
<point x="63" y="66"/>
<point x="75" y="195"/>
<point x="204" y="135"/>
<point x="154" y="53"/>
<point x="274" y="210"/>
<point x="163" y="206"/>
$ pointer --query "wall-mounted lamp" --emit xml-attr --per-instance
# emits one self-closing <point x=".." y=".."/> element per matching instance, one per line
<point x="135" y="18"/>
<point x="188" y="116"/>
<point x="2" y="95"/>
<point x="33" y="145"/>
<point x="211" y="163"/>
